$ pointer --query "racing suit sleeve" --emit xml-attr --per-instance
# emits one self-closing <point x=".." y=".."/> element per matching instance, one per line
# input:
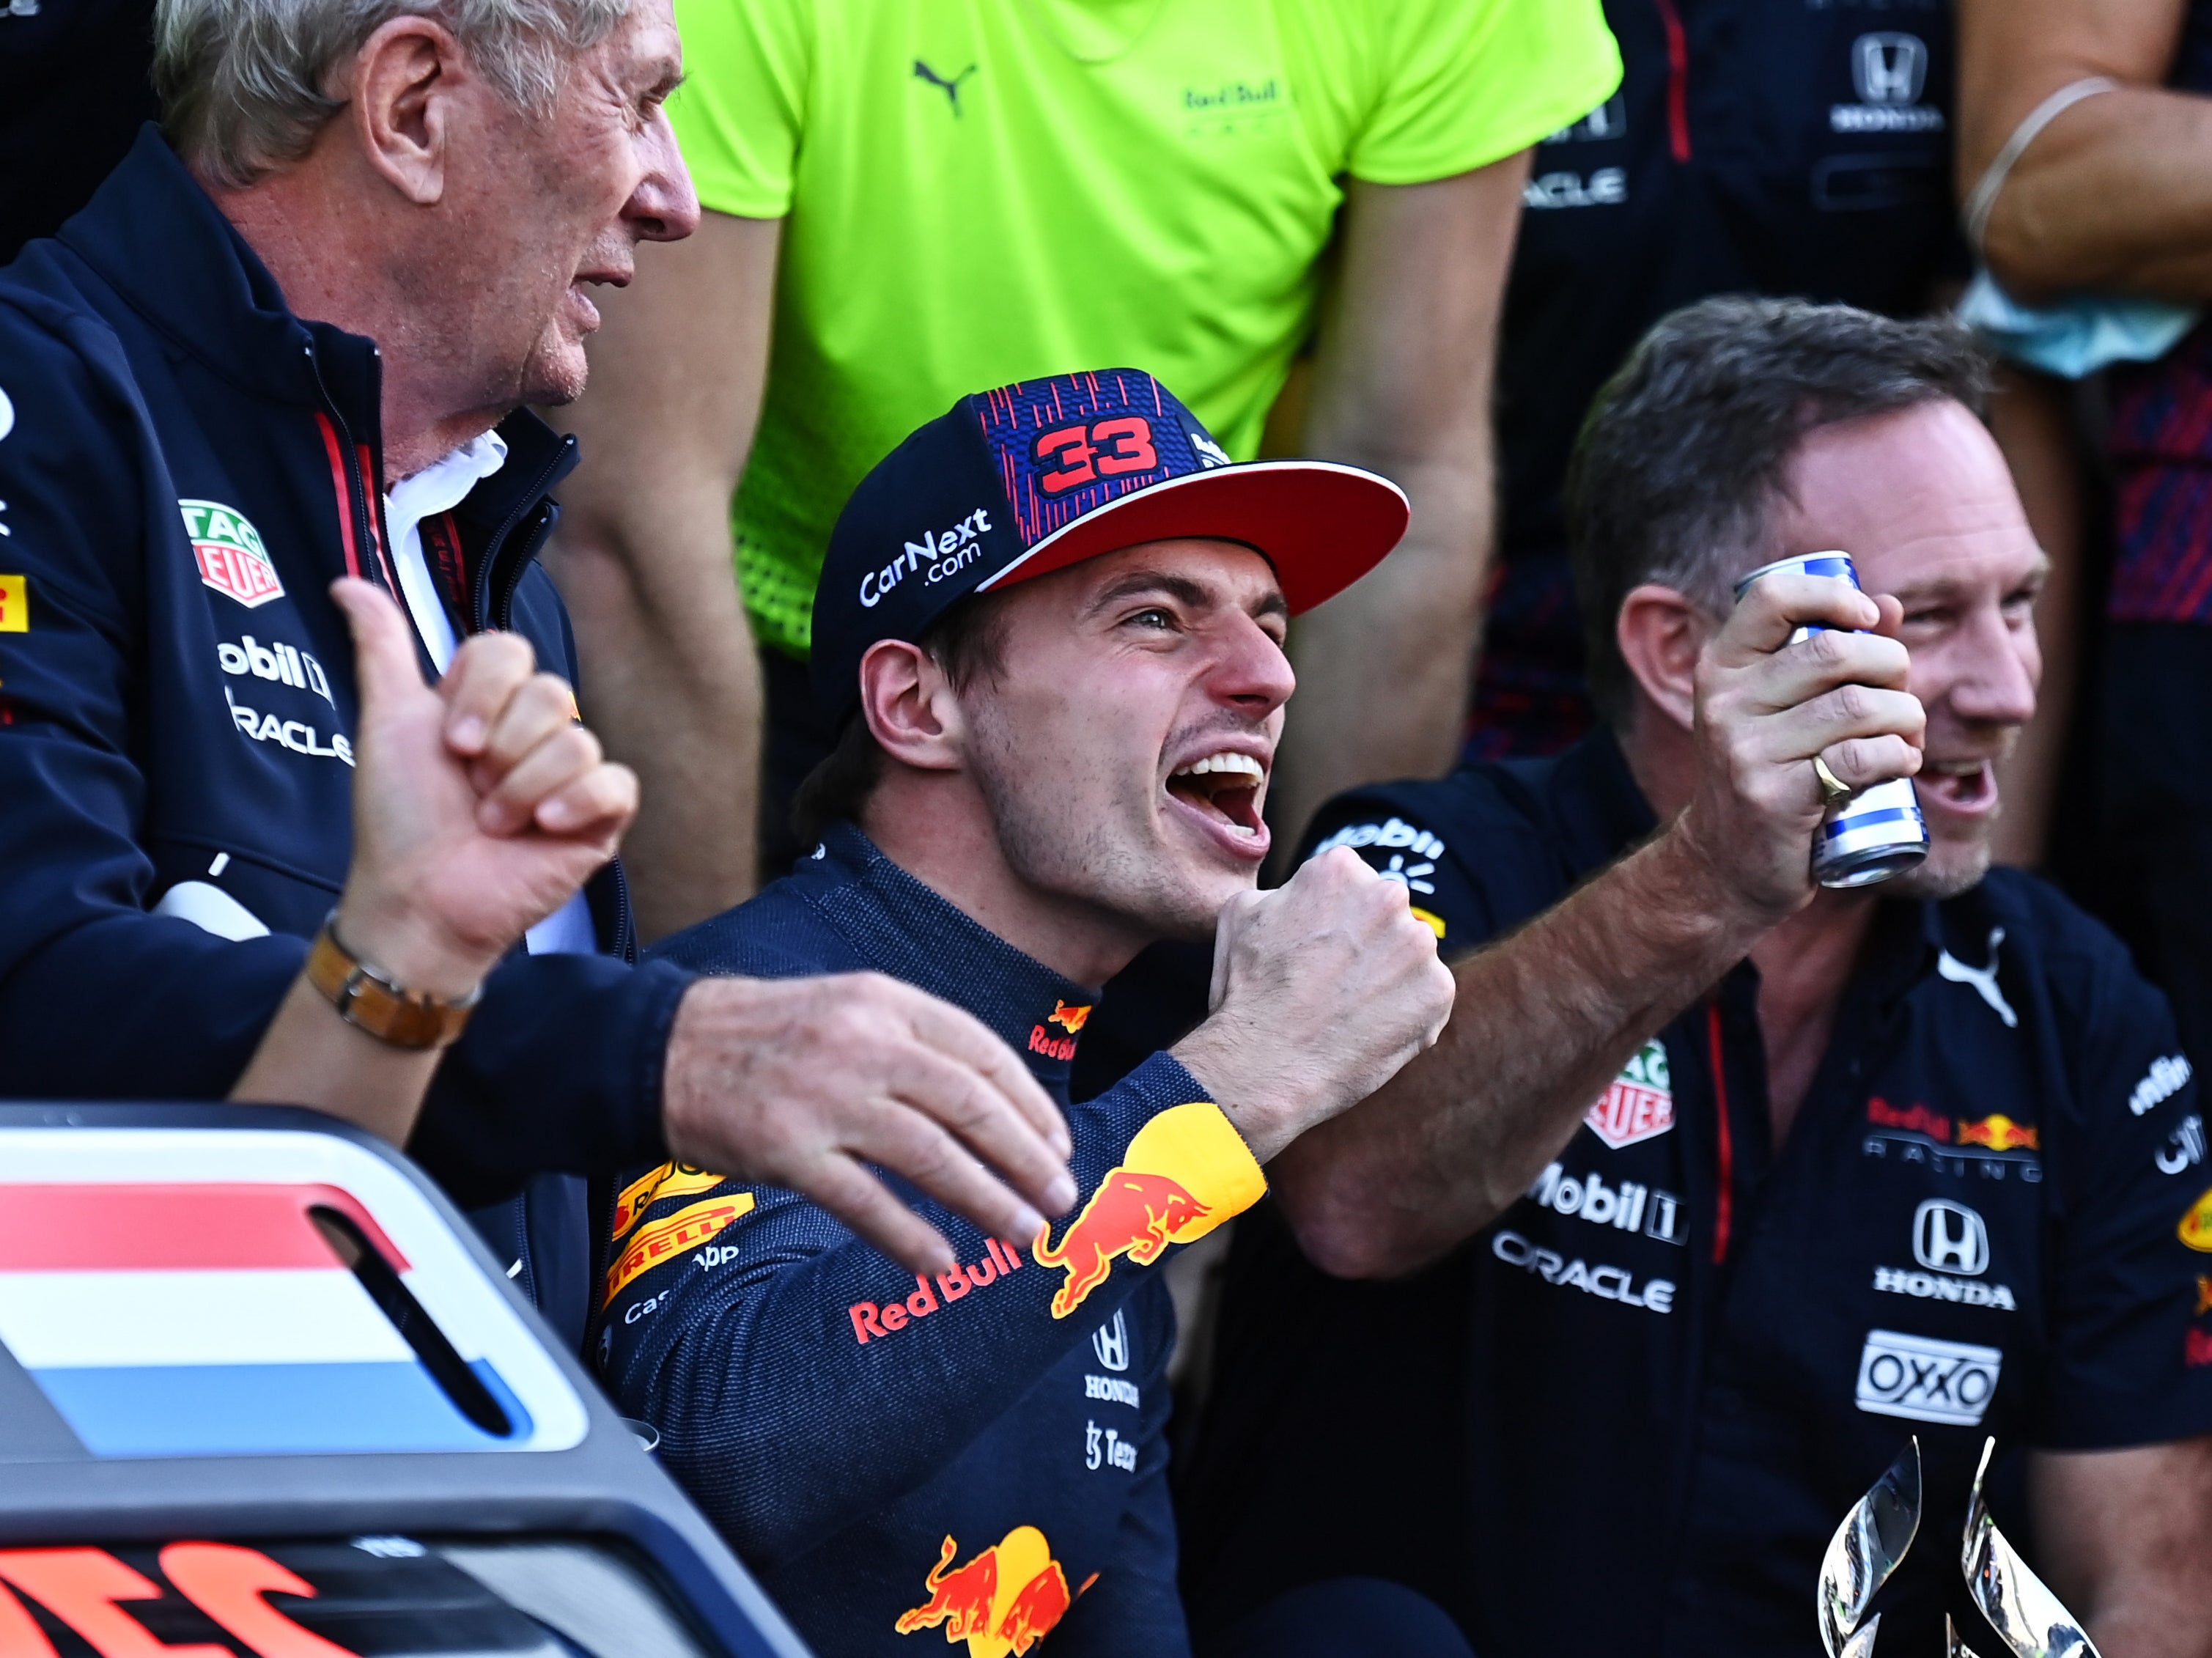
<point x="800" y="1379"/>
<point x="2131" y="1323"/>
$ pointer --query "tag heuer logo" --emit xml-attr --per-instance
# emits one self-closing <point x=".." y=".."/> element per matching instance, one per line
<point x="1639" y="1103"/>
<point x="228" y="549"/>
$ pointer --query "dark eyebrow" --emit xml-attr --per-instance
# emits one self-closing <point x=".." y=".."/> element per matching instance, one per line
<point x="1183" y="589"/>
<point x="1178" y="587"/>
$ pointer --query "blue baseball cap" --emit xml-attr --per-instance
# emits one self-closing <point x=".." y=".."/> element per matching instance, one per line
<point x="1017" y="483"/>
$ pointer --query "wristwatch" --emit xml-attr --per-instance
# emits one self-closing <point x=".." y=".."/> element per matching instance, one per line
<point x="369" y="1000"/>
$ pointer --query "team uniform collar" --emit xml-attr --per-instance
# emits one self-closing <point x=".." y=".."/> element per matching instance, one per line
<point x="903" y="926"/>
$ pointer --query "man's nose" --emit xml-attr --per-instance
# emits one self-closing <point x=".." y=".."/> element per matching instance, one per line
<point x="664" y="208"/>
<point x="1252" y="671"/>
<point x="1996" y="669"/>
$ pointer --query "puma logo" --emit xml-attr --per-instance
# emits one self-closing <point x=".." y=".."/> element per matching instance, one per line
<point x="1984" y="979"/>
<point x="951" y="88"/>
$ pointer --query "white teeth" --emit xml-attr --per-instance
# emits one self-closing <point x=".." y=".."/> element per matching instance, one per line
<point x="1243" y="763"/>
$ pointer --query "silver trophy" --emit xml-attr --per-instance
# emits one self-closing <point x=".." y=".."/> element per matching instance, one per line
<point x="1872" y="1541"/>
<point x="2026" y="1616"/>
<point x="1866" y="1548"/>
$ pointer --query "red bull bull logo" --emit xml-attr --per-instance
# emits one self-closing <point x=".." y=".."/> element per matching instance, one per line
<point x="1186" y="1171"/>
<point x="2195" y="1347"/>
<point x="1003" y="1601"/>
<point x="2000" y="1133"/>
<point x="1069" y="1019"/>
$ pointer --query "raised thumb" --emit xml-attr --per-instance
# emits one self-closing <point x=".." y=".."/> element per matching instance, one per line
<point x="384" y="665"/>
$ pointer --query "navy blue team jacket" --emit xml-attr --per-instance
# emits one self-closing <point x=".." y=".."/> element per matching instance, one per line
<point x="1627" y="1417"/>
<point x="186" y="466"/>
<point x="977" y="1457"/>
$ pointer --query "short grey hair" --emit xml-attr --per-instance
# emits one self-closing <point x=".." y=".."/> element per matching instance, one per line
<point x="245" y="84"/>
<point x="1687" y="448"/>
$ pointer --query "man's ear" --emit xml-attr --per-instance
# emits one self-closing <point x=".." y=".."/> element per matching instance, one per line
<point x="403" y="80"/>
<point x="1660" y="634"/>
<point x="911" y="707"/>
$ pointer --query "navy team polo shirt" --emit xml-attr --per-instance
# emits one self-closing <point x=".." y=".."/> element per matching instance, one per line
<point x="1628" y="1416"/>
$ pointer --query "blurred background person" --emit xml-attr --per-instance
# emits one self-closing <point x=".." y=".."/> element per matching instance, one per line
<point x="907" y="200"/>
<point x="2112" y="199"/>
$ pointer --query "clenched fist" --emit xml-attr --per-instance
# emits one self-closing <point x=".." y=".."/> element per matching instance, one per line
<point x="1322" y="989"/>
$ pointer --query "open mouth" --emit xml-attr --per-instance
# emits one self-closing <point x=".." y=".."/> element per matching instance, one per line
<point x="1223" y="788"/>
<point x="1960" y="786"/>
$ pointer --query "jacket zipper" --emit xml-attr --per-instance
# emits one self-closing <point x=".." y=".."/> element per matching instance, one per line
<point x="490" y="611"/>
<point x="1678" y="79"/>
<point x="345" y="466"/>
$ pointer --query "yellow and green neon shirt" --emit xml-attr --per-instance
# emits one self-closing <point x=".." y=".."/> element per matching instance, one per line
<point x="985" y="191"/>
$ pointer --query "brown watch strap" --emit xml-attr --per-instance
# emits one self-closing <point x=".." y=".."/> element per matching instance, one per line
<point x="366" y="999"/>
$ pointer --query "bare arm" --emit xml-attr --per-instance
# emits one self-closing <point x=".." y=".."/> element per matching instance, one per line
<point x="1401" y="383"/>
<point x="643" y="558"/>
<point x="1544" y="1019"/>
<point x="2117" y="194"/>
<point x="2031" y="417"/>
<point x="2124" y="1538"/>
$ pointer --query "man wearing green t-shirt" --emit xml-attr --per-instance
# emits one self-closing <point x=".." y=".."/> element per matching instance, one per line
<point x="909" y="199"/>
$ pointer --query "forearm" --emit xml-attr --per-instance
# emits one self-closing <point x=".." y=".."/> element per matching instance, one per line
<point x="310" y="1056"/>
<point x="2116" y="196"/>
<point x="1383" y="669"/>
<point x="1544" y="1020"/>
<point x="2124" y="1538"/>
<point x="672" y="687"/>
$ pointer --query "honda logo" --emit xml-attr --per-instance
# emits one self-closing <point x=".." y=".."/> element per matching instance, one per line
<point x="1950" y="1237"/>
<point x="1889" y="69"/>
<point x="1111" y="1343"/>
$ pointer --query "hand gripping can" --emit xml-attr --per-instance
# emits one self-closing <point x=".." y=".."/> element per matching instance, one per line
<point x="1878" y="831"/>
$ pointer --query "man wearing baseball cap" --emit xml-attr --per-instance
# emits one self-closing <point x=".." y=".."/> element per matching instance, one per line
<point x="1051" y="623"/>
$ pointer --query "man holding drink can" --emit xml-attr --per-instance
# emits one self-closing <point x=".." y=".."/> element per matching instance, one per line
<point x="1719" y="1186"/>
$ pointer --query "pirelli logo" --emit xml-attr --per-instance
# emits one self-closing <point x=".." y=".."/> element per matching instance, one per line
<point x="673" y="1235"/>
<point x="670" y="1180"/>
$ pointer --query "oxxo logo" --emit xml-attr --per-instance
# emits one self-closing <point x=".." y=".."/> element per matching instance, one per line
<point x="937" y="554"/>
<point x="1925" y="1380"/>
<point x="1950" y="1237"/>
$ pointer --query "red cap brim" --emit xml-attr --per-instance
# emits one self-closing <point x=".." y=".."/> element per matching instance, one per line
<point x="1322" y="526"/>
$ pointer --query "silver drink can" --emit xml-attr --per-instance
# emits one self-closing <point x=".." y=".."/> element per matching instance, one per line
<point x="1878" y="831"/>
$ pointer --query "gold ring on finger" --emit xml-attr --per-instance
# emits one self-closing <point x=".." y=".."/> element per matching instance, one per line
<point x="1832" y="788"/>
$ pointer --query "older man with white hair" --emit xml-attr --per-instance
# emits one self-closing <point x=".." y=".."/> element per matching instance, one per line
<point x="288" y="342"/>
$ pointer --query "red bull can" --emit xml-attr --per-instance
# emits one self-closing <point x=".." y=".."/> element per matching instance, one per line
<point x="1878" y="831"/>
